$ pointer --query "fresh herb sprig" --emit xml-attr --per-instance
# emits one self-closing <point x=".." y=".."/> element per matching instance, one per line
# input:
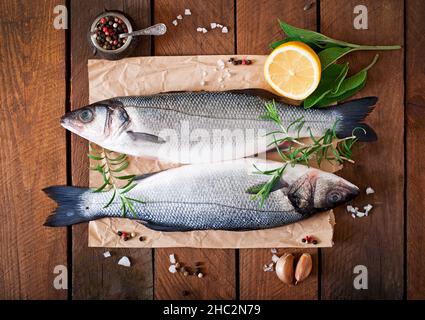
<point x="327" y="147"/>
<point x="334" y="85"/>
<point x="110" y="166"/>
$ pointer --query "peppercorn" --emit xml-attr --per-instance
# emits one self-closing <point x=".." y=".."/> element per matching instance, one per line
<point x="119" y="233"/>
<point x="243" y="61"/>
<point x="185" y="293"/>
<point x="102" y="20"/>
<point x="141" y="238"/>
<point x="239" y="62"/>
<point x="248" y="62"/>
<point x="126" y="238"/>
<point x="133" y="234"/>
<point x="314" y="241"/>
<point x="304" y="240"/>
<point x="185" y="273"/>
<point x="177" y="265"/>
<point x="235" y="62"/>
<point x="231" y="60"/>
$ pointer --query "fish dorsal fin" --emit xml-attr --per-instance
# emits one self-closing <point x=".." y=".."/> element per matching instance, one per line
<point x="256" y="188"/>
<point x="145" y="137"/>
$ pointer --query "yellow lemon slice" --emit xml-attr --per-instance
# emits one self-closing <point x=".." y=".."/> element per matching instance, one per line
<point x="293" y="70"/>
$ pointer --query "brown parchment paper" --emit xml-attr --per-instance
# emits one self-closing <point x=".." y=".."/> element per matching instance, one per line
<point x="150" y="75"/>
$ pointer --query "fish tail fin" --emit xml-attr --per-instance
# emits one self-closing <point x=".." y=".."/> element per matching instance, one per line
<point x="351" y="115"/>
<point x="69" y="210"/>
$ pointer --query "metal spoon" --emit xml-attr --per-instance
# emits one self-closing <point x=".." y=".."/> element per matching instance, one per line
<point x="155" y="30"/>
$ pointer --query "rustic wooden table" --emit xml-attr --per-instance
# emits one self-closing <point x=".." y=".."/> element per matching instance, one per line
<point x="44" y="73"/>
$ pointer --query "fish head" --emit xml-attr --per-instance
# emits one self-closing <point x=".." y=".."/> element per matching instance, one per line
<point x="97" y="122"/>
<point x="316" y="191"/>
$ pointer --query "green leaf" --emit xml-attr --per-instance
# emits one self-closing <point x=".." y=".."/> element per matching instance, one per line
<point x="354" y="81"/>
<point x="331" y="55"/>
<point x="128" y="188"/>
<point x="122" y="167"/>
<point x="322" y="41"/>
<point x="131" y="176"/>
<point x="130" y="181"/>
<point x="331" y="79"/>
<point x="136" y="200"/>
<point x="255" y="189"/>
<point x="94" y="157"/>
<point x="328" y="101"/>
<point x="111" y="200"/>
<point x="103" y="186"/>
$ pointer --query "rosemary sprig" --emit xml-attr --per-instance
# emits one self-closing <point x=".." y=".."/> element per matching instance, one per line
<point x="327" y="147"/>
<point x="109" y="165"/>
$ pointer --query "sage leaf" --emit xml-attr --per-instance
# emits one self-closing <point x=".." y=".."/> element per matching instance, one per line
<point x="331" y="79"/>
<point x="331" y="55"/>
<point x="349" y="86"/>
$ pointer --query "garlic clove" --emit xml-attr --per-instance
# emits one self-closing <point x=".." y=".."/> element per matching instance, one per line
<point x="285" y="268"/>
<point x="303" y="268"/>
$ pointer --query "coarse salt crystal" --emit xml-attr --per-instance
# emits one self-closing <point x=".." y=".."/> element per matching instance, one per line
<point x="199" y="29"/>
<point x="187" y="12"/>
<point x="202" y="83"/>
<point x="224" y="30"/>
<point x="368" y="208"/>
<point x="220" y="63"/>
<point x="275" y="258"/>
<point x="369" y="190"/>
<point x="360" y="214"/>
<point x="219" y="25"/>
<point x="219" y="80"/>
<point x="273" y="250"/>
<point x="172" y="258"/>
<point x="267" y="268"/>
<point x="107" y="254"/>
<point x="204" y="30"/>
<point x="179" y="17"/>
<point x="172" y="268"/>
<point x="213" y="25"/>
<point x="175" y="22"/>
<point x="124" y="261"/>
<point x="353" y="216"/>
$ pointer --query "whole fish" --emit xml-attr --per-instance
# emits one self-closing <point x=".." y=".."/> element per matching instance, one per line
<point x="210" y="196"/>
<point x="202" y="127"/>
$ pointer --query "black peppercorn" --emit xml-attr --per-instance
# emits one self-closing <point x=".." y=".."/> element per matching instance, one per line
<point x="141" y="238"/>
<point x="126" y="238"/>
<point x="119" y="233"/>
<point x="315" y="241"/>
<point x="248" y="61"/>
<point x="304" y="240"/>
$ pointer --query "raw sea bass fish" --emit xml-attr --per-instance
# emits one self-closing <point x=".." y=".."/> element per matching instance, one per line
<point x="210" y="196"/>
<point x="201" y="127"/>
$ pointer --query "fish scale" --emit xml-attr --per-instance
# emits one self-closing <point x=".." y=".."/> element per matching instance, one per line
<point x="210" y="196"/>
<point x="202" y="197"/>
<point x="205" y="127"/>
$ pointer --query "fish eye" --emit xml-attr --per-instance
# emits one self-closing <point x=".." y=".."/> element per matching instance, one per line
<point x="85" y="115"/>
<point x="334" y="197"/>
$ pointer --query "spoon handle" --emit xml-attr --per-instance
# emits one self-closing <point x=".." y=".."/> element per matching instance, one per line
<point x="155" y="30"/>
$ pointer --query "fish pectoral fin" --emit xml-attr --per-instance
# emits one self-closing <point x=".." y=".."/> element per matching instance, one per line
<point x="164" y="227"/>
<point x="145" y="137"/>
<point x="256" y="188"/>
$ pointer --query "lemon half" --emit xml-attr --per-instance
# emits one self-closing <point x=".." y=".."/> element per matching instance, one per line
<point x="293" y="70"/>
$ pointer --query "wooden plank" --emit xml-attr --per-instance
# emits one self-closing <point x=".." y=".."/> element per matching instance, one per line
<point x="415" y="94"/>
<point x="33" y="148"/>
<point x="257" y="27"/>
<point x="219" y="281"/>
<point x="375" y="241"/>
<point x="93" y="276"/>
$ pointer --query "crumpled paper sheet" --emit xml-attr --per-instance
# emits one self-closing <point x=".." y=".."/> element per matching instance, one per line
<point x="150" y="75"/>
